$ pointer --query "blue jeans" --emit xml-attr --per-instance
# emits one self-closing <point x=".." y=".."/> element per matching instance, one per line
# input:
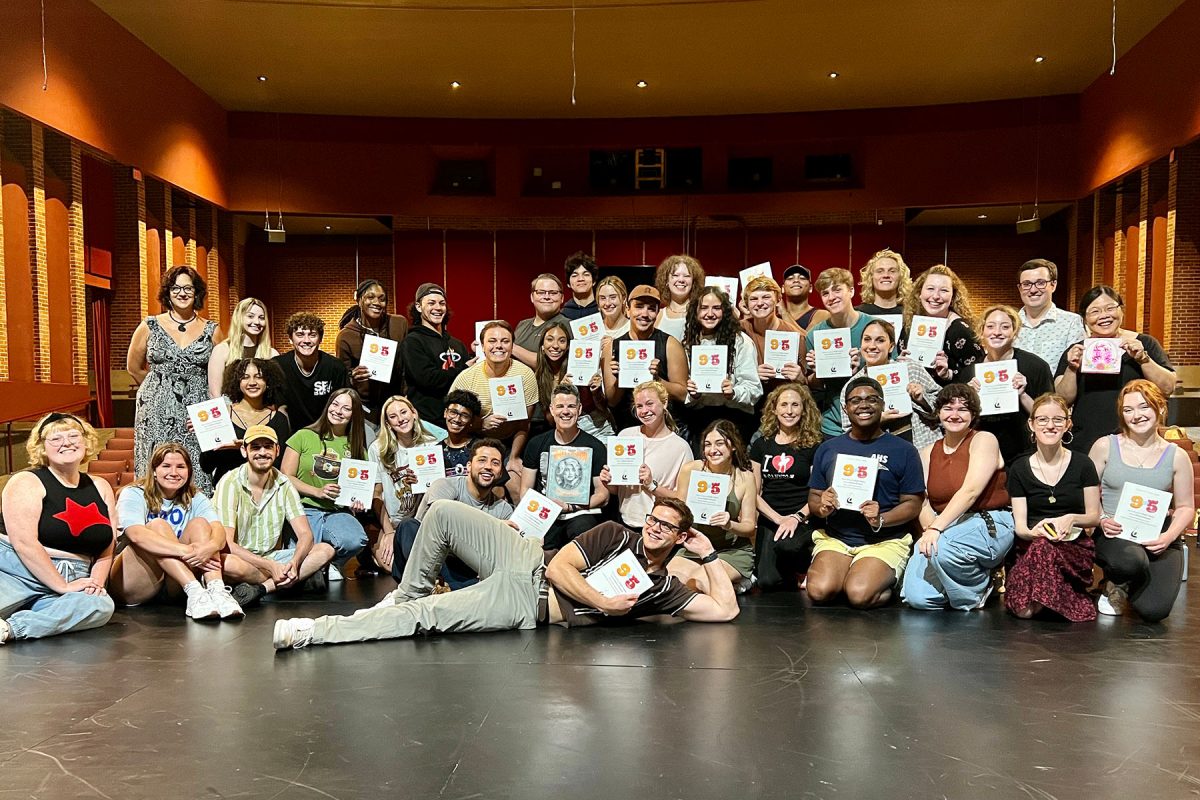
<point x="340" y="530"/>
<point x="960" y="571"/>
<point x="35" y="611"/>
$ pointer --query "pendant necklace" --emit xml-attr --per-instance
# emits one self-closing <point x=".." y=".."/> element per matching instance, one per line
<point x="1052" y="486"/>
<point x="181" y="323"/>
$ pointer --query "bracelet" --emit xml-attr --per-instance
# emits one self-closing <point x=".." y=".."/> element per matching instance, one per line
<point x="799" y="517"/>
<point x="939" y="530"/>
<point x="879" y="527"/>
<point x="708" y="559"/>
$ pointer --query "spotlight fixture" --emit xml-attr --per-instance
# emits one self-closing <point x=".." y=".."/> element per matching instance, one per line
<point x="1038" y="59"/>
<point x="641" y="84"/>
<point x="262" y="78"/>
<point x="833" y="74"/>
<point x="455" y="84"/>
<point x="981" y="216"/>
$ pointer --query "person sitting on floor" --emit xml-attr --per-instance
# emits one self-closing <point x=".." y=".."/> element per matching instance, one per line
<point x="862" y="551"/>
<point x="259" y="507"/>
<point x="172" y="531"/>
<point x="522" y="586"/>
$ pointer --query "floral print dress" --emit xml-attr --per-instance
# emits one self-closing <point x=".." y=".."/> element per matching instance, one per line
<point x="177" y="378"/>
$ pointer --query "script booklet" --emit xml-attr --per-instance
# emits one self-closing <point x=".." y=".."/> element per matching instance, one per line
<point x="1141" y="512"/>
<point x="750" y="273"/>
<point x="706" y="493"/>
<point x="428" y="464"/>
<point x="896" y="321"/>
<point x="589" y="328"/>
<point x="620" y="575"/>
<point x="569" y="474"/>
<point x="378" y="355"/>
<point x="583" y="361"/>
<point x="508" y="397"/>
<point x="727" y="285"/>
<point x="997" y="395"/>
<point x="894" y="379"/>
<point x="710" y="366"/>
<point x="357" y="482"/>
<point x="633" y="362"/>
<point x="1102" y="356"/>
<point x="925" y="338"/>
<point x="781" y="348"/>
<point x="211" y="423"/>
<point x="535" y="514"/>
<point x="624" y="460"/>
<point x="832" y="347"/>
<point x="854" y="480"/>
<point x="479" y="338"/>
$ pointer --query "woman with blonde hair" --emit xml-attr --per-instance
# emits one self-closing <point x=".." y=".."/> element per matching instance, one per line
<point x="57" y="537"/>
<point x="884" y="284"/>
<point x="249" y="337"/>
<point x="400" y="428"/>
<point x="611" y="293"/>
<point x="172" y="532"/>
<point x="938" y="292"/>
<point x="679" y="280"/>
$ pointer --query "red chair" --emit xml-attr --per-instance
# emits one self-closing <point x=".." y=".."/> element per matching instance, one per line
<point x="126" y="478"/>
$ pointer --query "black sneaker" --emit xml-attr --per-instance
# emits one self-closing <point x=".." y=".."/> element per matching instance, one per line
<point x="249" y="594"/>
<point x="315" y="582"/>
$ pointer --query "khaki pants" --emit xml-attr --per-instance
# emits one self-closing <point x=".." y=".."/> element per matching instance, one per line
<point x="510" y="570"/>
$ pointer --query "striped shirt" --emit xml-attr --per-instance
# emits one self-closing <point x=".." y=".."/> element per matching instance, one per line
<point x="256" y="526"/>
<point x="475" y="379"/>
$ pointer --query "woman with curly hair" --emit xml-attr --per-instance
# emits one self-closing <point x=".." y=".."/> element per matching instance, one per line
<point x="884" y="284"/>
<point x="782" y="460"/>
<point x="249" y="337"/>
<point x="938" y="292"/>
<point x="711" y="321"/>
<point x="254" y="387"/>
<point x="679" y="280"/>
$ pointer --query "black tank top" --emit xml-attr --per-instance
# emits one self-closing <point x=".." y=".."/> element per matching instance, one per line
<point x="73" y="520"/>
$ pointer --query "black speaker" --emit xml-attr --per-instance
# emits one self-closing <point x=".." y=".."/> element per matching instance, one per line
<point x="751" y="174"/>
<point x="830" y="168"/>
<point x="611" y="171"/>
<point x="685" y="169"/>
<point x="462" y="176"/>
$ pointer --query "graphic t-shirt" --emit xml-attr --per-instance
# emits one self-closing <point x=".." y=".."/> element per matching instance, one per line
<point x="456" y="457"/>
<point x="320" y="462"/>
<point x="132" y="510"/>
<point x="785" y="471"/>
<point x="899" y="473"/>
<point x="536" y="456"/>
<point x="305" y="395"/>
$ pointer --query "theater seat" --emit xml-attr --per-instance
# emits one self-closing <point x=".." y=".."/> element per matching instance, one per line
<point x="126" y="478"/>
<point x="121" y="443"/>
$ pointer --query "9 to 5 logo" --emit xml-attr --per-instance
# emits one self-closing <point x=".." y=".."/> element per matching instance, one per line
<point x="931" y="332"/>
<point x="590" y="327"/>
<point x="624" y="570"/>
<point x="355" y="472"/>
<point x="534" y="507"/>
<point x="422" y="459"/>
<point x="1137" y="501"/>
<point x="884" y="378"/>
<point x="620" y="449"/>
<point x="827" y="344"/>
<point x="705" y="359"/>
<point x="703" y="486"/>
<point x="850" y="470"/>
<point x="781" y="344"/>
<point x="584" y="352"/>
<point x="992" y="377"/>
<point x="380" y="349"/>
<point x="503" y="389"/>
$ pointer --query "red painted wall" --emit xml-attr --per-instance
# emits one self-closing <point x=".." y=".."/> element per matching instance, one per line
<point x="17" y="284"/>
<point x="99" y="217"/>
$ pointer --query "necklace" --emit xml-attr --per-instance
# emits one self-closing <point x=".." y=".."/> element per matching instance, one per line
<point x="300" y="367"/>
<point x="1152" y="453"/>
<point x="1045" y="473"/>
<point x="182" y="323"/>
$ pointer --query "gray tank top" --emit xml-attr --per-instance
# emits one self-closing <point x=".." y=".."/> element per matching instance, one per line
<point x="1117" y="473"/>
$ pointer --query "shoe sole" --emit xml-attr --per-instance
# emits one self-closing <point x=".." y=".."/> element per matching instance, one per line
<point x="212" y="616"/>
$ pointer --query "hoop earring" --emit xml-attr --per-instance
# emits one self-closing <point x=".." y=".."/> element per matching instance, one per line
<point x="1067" y="441"/>
<point x="1032" y="436"/>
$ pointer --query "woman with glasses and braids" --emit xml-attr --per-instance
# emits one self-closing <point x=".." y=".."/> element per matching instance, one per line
<point x="168" y="359"/>
<point x="1055" y="503"/>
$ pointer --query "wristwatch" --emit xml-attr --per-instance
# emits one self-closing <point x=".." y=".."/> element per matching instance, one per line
<point x="653" y="485"/>
<point x="708" y="559"/>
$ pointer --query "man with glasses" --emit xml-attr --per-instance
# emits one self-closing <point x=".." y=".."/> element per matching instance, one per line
<point x="1046" y="330"/>
<point x="522" y="586"/>
<point x="862" y="551"/>
<point x="546" y="294"/>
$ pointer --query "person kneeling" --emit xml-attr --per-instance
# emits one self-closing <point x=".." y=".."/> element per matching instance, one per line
<point x="862" y="551"/>
<point x="171" y="531"/>
<point x="522" y="586"/>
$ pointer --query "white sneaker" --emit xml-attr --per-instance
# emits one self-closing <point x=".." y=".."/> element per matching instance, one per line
<point x="1113" y="602"/>
<point x="335" y="574"/>
<point x="6" y="634"/>
<point x="222" y="598"/>
<point x="294" y="633"/>
<point x="200" y="605"/>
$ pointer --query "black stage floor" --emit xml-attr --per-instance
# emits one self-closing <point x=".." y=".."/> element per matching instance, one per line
<point x="787" y="702"/>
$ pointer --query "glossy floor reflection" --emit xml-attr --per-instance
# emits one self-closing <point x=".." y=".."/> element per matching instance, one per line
<point x="788" y="702"/>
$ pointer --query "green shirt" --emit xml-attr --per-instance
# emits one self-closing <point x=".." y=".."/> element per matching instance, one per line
<point x="320" y="462"/>
<point x="256" y="526"/>
<point x="829" y="397"/>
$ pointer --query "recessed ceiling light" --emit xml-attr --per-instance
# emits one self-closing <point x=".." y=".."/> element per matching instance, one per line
<point x="641" y="84"/>
<point x="328" y="227"/>
<point x="1038" y="59"/>
<point x="455" y="84"/>
<point x="833" y="74"/>
<point x="262" y="78"/>
<point x="981" y="216"/>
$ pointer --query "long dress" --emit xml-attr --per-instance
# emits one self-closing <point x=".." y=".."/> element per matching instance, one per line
<point x="177" y="378"/>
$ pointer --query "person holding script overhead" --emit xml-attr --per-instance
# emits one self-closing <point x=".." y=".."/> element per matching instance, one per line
<point x="867" y="486"/>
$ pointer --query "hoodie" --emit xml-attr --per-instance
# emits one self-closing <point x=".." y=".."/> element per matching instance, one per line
<point x="432" y="361"/>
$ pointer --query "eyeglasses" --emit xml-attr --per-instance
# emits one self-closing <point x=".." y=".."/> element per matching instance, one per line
<point x="1047" y="422"/>
<point x="873" y="400"/>
<point x="1040" y="283"/>
<point x="183" y="291"/>
<point x="658" y="523"/>
<point x="456" y="414"/>
<point x="547" y="293"/>
<point x="1094" y="313"/>
<point x="59" y="439"/>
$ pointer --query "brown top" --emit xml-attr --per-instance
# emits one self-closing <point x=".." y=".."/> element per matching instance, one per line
<point x="948" y="471"/>
<point x="349" y="350"/>
<point x="779" y="323"/>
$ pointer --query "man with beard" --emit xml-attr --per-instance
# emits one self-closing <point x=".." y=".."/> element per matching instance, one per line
<point x="862" y="551"/>
<point x="432" y="357"/>
<point x="256" y="503"/>
<point x="669" y="362"/>
<point x="523" y="586"/>
<point x="480" y="488"/>
<point x="310" y="374"/>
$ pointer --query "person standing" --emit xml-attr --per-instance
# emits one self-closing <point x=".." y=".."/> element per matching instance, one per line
<point x="885" y="283"/>
<point x="168" y="360"/>
<point x="1045" y="330"/>
<point x="938" y="292"/>
<point x="836" y="287"/>
<point x="679" y="280"/>
<point x="797" y="286"/>
<point x="432" y="357"/>
<point x="669" y="363"/>
<point x="254" y="388"/>
<point x="581" y="278"/>
<point x="610" y="300"/>
<point x="546" y="294"/>
<point x="310" y="374"/>
<point x="249" y="337"/>
<point x="370" y="317"/>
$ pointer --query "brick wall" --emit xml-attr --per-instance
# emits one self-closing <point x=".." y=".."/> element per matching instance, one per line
<point x="1183" y="255"/>
<point x="129" y="258"/>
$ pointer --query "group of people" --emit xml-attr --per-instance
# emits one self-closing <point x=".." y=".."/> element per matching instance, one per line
<point x="834" y="483"/>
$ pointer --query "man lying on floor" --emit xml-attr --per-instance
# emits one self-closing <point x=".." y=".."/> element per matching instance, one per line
<point x="523" y="586"/>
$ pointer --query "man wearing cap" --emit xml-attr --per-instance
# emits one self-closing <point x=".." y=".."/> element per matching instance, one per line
<point x="257" y="503"/>
<point x="546" y="294"/>
<point x="432" y="357"/>
<point x="669" y="362"/>
<point x="797" y="285"/>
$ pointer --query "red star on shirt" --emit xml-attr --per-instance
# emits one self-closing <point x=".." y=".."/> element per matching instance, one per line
<point x="80" y="518"/>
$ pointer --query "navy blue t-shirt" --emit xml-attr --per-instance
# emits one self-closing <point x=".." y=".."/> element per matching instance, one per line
<point x="899" y="473"/>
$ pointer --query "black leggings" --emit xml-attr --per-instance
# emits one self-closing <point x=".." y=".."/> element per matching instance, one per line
<point x="1153" y="579"/>
<point x="792" y="554"/>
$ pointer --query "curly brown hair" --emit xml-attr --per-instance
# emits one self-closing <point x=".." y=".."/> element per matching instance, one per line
<point x="663" y="274"/>
<point x="961" y="304"/>
<point x="808" y="433"/>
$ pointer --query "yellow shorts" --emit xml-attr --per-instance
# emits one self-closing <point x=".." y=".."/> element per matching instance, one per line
<point x="893" y="552"/>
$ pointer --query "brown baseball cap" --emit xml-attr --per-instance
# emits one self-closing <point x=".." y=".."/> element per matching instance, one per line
<point x="256" y="432"/>
<point x="643" y="291"/>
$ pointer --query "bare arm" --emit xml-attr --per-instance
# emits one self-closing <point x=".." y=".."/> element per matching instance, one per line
<point x="216" y="368"/>
<point x="1184" y="501"/>
<point x="291" y="467"/>
<point x="985" y="460"/>
<point x="526" y="357"/>
<point x="676" y="378"/>
<point x="565" y="574"/>
<point x="135" y="359"/>
<point x="1067" y="384"/>
<point x="718" y="603"/>
<point x="102" y="565"/>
